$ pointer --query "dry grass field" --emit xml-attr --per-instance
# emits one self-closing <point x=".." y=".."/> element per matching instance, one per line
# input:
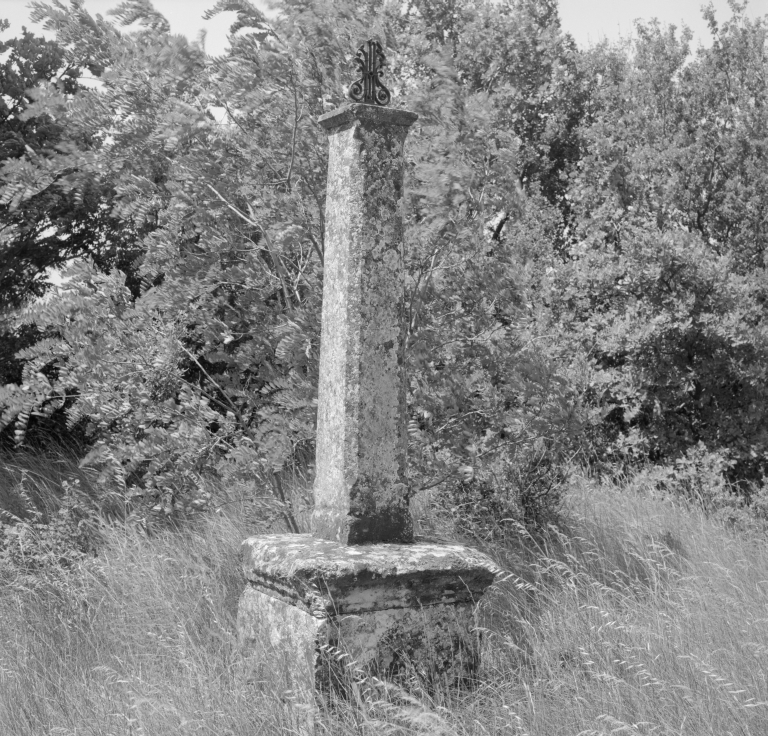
<point x="636" y="615"/>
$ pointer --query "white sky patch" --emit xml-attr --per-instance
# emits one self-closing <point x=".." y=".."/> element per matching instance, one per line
<point x="91" y="83"/>
<point x="57" y="276"/>
<point x="591" y="21"/>
<point x="219" y="114"/>
<point x="54" y="276"/>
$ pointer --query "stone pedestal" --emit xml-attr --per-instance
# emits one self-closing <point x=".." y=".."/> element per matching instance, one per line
<point x="328" y="610"/>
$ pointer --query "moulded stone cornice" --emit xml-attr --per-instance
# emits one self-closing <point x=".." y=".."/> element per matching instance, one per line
<point x="367" y="114"/>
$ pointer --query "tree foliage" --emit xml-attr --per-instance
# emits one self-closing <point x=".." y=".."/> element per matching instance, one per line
<point x="585" y="242"/>
<point x="54" y="206"/>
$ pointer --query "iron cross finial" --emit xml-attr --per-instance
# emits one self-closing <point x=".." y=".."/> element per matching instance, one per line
<point x="369" y="88"/>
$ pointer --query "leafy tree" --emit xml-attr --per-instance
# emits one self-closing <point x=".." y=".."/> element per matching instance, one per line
<point x="204" y="354"/>
<point x="664" y="284"/>
<point x="214" y="364"/>
<point x="51" y="209"/>
<point x="584" y="256"/>
<point x="493" y="416"/>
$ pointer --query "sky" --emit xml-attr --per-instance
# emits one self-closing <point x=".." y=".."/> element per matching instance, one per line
<point x="588" y="21"/>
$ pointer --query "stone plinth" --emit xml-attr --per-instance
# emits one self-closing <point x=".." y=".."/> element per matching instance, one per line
<point x="361" y="492"/>
<point x="394" y="610"/>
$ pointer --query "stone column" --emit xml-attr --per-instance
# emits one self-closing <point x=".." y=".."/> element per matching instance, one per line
<point x="361" y="494"/>
<point x="359" y="586"/>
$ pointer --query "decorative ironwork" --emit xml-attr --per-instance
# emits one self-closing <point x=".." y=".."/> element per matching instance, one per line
<point x="369" y="89"/>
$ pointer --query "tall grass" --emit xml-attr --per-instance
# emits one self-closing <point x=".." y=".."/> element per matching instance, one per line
<point x="643" y="617"/>
<point x="635" y="616"/>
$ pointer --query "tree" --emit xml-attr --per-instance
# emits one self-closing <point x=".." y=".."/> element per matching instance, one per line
<point x="51" y="210"/>
<point x="583" y="283"/>
<point x="664" y="285"/>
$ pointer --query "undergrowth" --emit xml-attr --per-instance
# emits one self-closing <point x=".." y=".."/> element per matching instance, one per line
<point x="635" y="614"/>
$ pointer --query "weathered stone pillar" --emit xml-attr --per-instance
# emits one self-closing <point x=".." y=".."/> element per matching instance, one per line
<point x="361" y="493"/>
<point x="359" y="584"/>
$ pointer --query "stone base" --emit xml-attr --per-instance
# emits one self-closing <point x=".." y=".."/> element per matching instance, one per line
<point x="316" y="614"/>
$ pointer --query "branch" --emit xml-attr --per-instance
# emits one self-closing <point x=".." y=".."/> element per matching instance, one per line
<point x="208" y="376"/>
<point x="436" y="483"/>
<point x="239" y="125"/>
<point x="296" y="118"/>
<point x="418" y="297"/>
<point x="275" y="256"/>
<point x="277" y="484"/>
<point x="316" y="246"/>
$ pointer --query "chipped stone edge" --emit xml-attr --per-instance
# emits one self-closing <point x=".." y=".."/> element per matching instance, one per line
<point x="345" y="580"/>
<point x="366" y="113"/>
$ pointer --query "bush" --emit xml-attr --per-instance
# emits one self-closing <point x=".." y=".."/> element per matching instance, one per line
<point x="45" y="542"/>
<point x="497" y="498"/>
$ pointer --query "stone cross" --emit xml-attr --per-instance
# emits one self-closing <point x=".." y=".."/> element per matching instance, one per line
<point x="359" y="583"/>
